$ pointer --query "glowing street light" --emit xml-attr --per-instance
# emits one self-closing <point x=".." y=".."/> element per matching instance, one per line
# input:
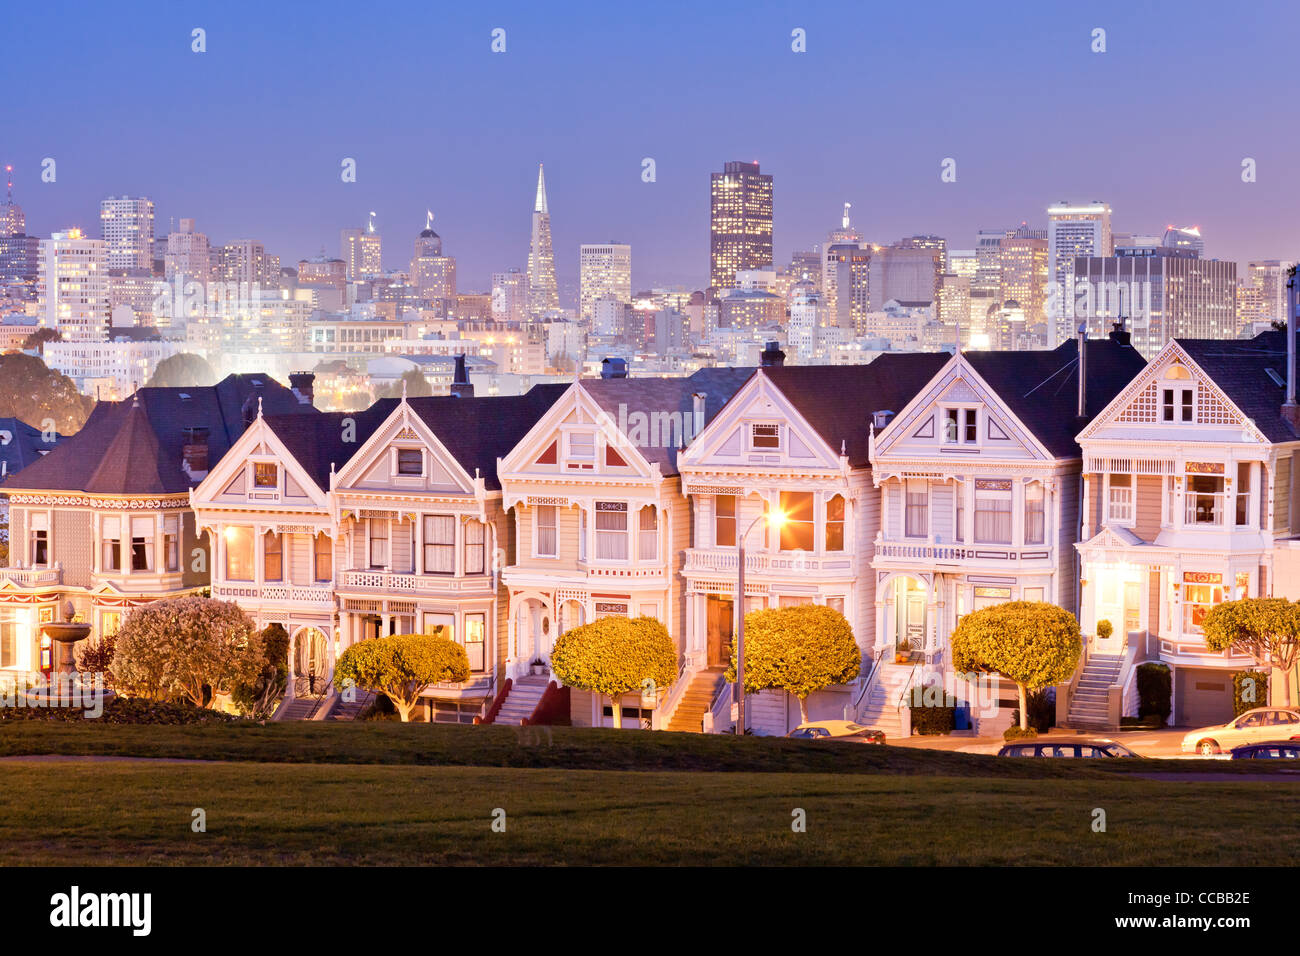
<point x="775" y="519"/>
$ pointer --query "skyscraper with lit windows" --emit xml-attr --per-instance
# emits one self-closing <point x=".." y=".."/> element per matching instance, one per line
<point x="740" y="222"/>
<point x="603" y="269"/>
<point x="126" y="225"/>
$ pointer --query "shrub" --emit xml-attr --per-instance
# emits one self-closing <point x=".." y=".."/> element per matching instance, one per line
<point x="258" y="697"/>
<point x="124" y="710"/>
<point x="1042" y="710"/>
<point x="1017" y="733"/>
<point x="932" y="720"/>
<point x="1104" y="629"/>
<point x="96" y="657"/>
<point x="1249" y="690"/>
<point x="1155" y="689"/>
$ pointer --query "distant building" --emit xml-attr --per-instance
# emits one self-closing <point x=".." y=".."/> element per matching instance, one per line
<point x="127" y="229"/>
<point x="1073" y="230"/>
<point x="1269" y="276"/>
<point x="188" y="255"/>
<point x="543" y="294"/>
<point x="73" y="286"/>
<point x="604" y="269"/>
<point x="432" y="273"/>
<point x="740" y="222"/>
<point x="362" y="251"/>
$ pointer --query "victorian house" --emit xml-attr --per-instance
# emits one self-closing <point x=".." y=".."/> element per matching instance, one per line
<point x="979" y="478"/>
<point x="102" y="522"/>
<point x="1190" y="486"/>
<point x="600" y="524"/>
<point x="793" y="441"/>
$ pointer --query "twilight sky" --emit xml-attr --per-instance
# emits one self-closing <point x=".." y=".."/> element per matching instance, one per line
<point x="248" y="137"/>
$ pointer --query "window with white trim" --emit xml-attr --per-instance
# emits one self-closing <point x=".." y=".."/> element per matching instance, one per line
<point x="611" y="531"/>
<point x="475" y="547"/>
<point x="171" y="542"/>
<point x="960" y="426"/>
<point x="582" y="450"/>
<point x="410" y="462"/>
<point x="378" y="542"/>
<point x="439" y="544"/>
<point x="724" y="521"/>
<point x="547" y="517"/>
<point x="111" y="544"/>
<point x="993" y="510"/>
<point x="648" y="534"/>
<point x="142" y="541"/>
<point x="1120" y="498"/>
<point x="1035" y="513"/>
<point x="764" y="437"/>
<point x="916" y="514"/>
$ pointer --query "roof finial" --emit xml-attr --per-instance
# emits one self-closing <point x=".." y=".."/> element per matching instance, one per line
<point x="403" y="388"/>
<point x="259" y="406"/>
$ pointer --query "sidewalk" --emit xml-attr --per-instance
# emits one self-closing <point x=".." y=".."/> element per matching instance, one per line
<point x="1149" y="743"/>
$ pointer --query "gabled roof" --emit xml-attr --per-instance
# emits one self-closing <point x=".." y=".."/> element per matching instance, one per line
<point x="620" y="398"/>
<point x="1041" y="388"/>
<point x="21" y="444"/>
<point x="133" y="447"/>
<point x="317" y="441"/>
<point x="1240" y="369"/>
<point x="838" y="400"/>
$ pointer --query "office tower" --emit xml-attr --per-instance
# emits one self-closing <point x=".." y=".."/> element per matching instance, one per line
<point x="953" y="306"/>
<point x="1159" y="292"/>
<point x="1073" y="230"/>
<point x="987" y="274"/>
<point x="245" y="262"/>
<point x="603" y="269"/>
<point x="73" y="286"/>
<point x="1252" y="308"/>
<point x="362" y="252"/>
<point x="542" y="293"/>
<point x="1269" y="276"/>
<point x="327" y="278"/>
<point x="127" y="228"/>
<point x="839" y="244"/>
<point x="740" y="222"/>
<point x="188" y="254"/>
<point x="432" y="273"/>
<point x="848" y="278"/>
<point x="1022" y="273"/>
<point x="1184" y="237"/>
<point x="509" y="296"/>
<point x="807" y="266"/>
<point x="12" y="220"/>
<point x="806" y="321"/>
<point x="962" y="262"/>
<point x="908" y="271"/>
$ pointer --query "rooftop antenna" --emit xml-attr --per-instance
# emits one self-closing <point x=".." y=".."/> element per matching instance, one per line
<point x="428" y="219"/>
<point x="371" y="226"/>
<point x="9" y="173"/>
<point x="845" y="221"/>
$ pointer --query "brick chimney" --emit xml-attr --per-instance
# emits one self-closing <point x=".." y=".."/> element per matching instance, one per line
<point x="304" y="386"/>
<point x="460" y="383"/>
<point x="1290" y="411"/>
<point x="772" y="356"/>
<point x="194" y="453"/>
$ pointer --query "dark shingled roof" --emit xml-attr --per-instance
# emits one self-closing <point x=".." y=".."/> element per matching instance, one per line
<point x="21" y="444"/>
<point x="127" y="448"/>
<point x="838" y="400"/>
<point x="1239" y="367"/>
<point x="620" y="398"/>
<point x="316" y="441"/>
<point x="1042" y="387"/>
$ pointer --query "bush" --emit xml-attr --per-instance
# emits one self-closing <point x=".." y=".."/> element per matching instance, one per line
<point x="124" y="710"/>
<point x="96" y="657"/>
<point x="1249" y="690"/>
<point x="1104" y="629"/>
<point x="929" y="721"/>
<point x="1015" y="733"/>
<point x="1155" y="688"/>
<point x="258" y="697"/>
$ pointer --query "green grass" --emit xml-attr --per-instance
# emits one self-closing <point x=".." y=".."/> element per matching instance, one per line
<point x="269" y="814"/>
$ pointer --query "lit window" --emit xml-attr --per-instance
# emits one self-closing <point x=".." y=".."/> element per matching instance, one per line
<point x="798" y="530"/>
<point x="273" y="557"/>
<point x="1119" y="498"/>
<point x="835" y="524"/>
<point x="265" y="475"/>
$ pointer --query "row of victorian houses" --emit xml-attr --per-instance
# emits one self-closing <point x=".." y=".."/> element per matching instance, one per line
<point x="915" y="490"/>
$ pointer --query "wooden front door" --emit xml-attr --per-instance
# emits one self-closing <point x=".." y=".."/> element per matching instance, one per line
<point x="721" y="626"/>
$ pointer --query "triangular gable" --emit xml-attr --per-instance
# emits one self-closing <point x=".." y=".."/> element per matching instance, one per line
<point x="917" y="432"/>
<point x="1139" y="403"/>
<point x="545" y="450"/>
<point x="728" y="440"/>
<point x="227" y="482"/>
<point x="374" y="466"/>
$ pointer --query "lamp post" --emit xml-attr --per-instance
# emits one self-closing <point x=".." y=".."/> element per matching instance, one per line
<point x="774" y="519"/>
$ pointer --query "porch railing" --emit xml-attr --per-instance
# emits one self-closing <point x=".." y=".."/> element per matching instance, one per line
<point x="851" y="712"/>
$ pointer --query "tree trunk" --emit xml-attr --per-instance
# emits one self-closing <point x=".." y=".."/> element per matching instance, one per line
<point x="1024" y="706"/>
<point x="616" y="707"/>
<point x="803" y="710"/>
<point x="403" y="709"/>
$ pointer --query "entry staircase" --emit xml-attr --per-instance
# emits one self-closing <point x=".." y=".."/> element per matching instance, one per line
<point x="881" y="709"/>
<point x="299" y="708"/>
<point x="1089" y="702"/>
<point x="522" y="699"/>
<point x="688" y="715"/>
<point x="342" y="710"/>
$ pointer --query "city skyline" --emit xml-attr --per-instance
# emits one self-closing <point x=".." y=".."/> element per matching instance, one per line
<point x="1185" y="169"/>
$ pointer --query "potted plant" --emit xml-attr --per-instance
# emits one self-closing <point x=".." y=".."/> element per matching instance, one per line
<point x="538" y="667"/>
<point x="903" y="653"/>
<point x="1104" y="630"/>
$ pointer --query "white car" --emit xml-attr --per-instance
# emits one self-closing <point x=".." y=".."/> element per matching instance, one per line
<point x="1262" y="723"/>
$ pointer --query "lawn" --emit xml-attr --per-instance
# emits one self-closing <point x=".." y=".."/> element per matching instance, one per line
<point x="316" y="793"/>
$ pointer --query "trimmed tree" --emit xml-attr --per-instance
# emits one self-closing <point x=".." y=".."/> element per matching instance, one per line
<point x="797" y="649"/>
<point x="616" y="656"/>
<point x="401" y="666"/>
<point x="1033" y="643"/>
<point x="191" y="647"/>
<point x="1268" y="629"/>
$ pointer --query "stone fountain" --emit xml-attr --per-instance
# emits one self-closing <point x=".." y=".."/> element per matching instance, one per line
<point x="66" y="688"/>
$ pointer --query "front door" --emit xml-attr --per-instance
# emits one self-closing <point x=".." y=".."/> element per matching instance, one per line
<point x="311" y="665"/>
<point x="721" y="614"/>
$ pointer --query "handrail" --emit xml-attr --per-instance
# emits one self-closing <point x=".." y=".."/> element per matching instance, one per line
<point x="907" y="685"/>
<point x="867" y="684"/>
<point x="497" y="702"/>
<point x="670" y="700"/>
<point x="711" y="716"/>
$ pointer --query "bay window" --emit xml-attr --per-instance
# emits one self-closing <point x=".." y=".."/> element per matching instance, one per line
<point x="439" y="544"/>
<point x="475" y="547"/>
<point x="111" y="544"/>
<point x="1204" y="498"/>
<point x="476" y="641"/>
<point x="272" y="557"/>
<point x="547" y="531"/>
<point x="239" y="553"/>
<point x="1035" y="513"/>
<point x="378" y="528"/>
<point x="323" y="557"/>
<point x="916" y="514"/>
<point x="1119" y="499"/>
<point x="1244" y="470"/>
<point x="648" y="534"/>
<point x="798" y="531"/>
<point x="142" y="539"/>
<point x="835" y="523"/>
<point x="724" y="521"/>
<point x="611" y="531"/>
<point x="993" y="510"/>
<point x="171" y="542"/>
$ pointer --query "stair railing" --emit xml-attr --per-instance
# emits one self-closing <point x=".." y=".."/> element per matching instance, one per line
<point x="852" y="711"/>
<point x="721" y="704"/>
<point x="664" y="707"/>
<point x="500" y="699"/>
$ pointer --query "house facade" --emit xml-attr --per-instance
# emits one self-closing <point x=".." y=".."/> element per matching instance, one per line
<point x="1190" y="486"/>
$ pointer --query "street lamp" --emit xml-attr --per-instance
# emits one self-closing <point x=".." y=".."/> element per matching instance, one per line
<point x="774" y="520"/>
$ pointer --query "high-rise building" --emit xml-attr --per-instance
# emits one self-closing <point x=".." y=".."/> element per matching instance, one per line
<point x="327" y="278"/>
<point x="603" y="269"/>
<point x="843" y="241"/>
<point x="509" y="296"/>
<point x="987" y="275"/>
<point x="962" y="262"/>
<point x="1184" y="237"/>
<point x="848" y="276"/>
<point x="12" y="220"/>
<point x="910" y="270"/>
<point x="1270" y="277"/>
<point x="1022" y="273"/>
<point x="432" y="273"/>
<point x="1252" y="309"/>
<point x="126" y="225"/>
<point x="245" y="262"/>
<point x="73" y="286"/>
<point x="1160" y="293"/>
<point x="1073" y="230"/>
<point x="953" y="306"/>
<point x="188" y="254"/>
<point x="543" y="295"/>
<point x="740" y="222"/>
<point x="362" y="251"/>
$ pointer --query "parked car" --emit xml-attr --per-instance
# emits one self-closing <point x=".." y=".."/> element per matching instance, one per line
<point x="1254" y="726"/>
<point x="837" y="730"/>
<point x="1268" y="750"/>
<point x="1066" y="747"/>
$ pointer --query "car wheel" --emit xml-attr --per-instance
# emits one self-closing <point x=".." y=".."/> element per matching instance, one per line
<point x="1207" y="748"/>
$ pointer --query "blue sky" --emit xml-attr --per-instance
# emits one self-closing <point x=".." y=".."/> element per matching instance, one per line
<point x="247" y="138"/>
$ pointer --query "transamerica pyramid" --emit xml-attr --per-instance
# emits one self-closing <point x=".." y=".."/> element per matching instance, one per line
<point x="542" y="294"/>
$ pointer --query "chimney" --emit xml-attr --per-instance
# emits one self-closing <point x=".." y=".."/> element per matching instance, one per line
<point x="303" y="385"/>
<point x="1083" y="369"/>
<point x="194" y="453"/>
<point x="460" y="384"/>
<point x="613" y="368"/>
<point x="772" y="356"/>
<point x="1119" y="336"/>
<point x="697" y="410"/>
<point x="1290" y="413"/>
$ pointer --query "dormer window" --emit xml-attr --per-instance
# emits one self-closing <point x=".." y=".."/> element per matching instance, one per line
<point x="1177" y="404"/>
<point x="764" y="437"/>
<point x="582" y="449"/>
<point x="960" y="426"/>
<point x="265" y="474"/>
<point x="410" y="462"/>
